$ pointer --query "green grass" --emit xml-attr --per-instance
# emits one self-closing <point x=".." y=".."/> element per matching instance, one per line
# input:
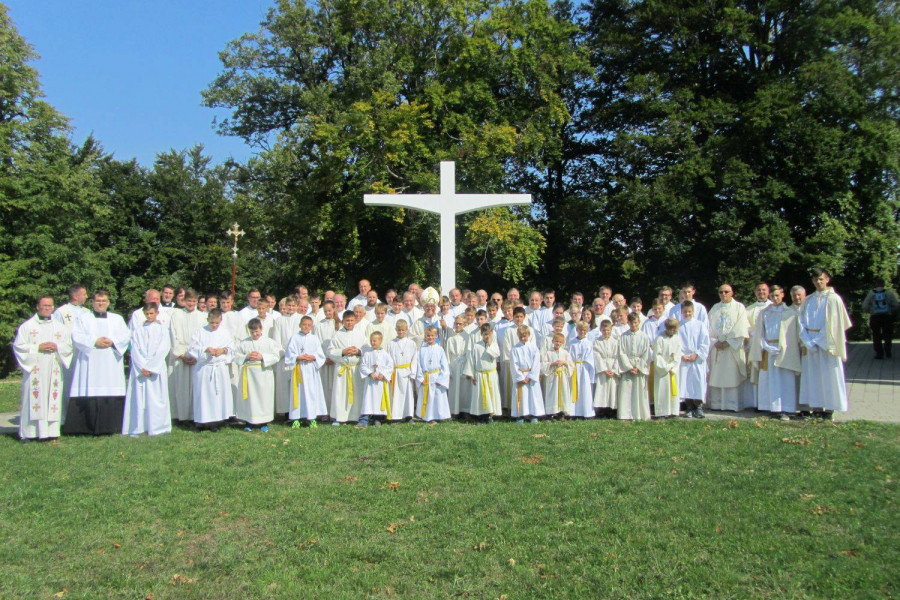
<point x="10" y="390"/>
<point x="590" y="510"/>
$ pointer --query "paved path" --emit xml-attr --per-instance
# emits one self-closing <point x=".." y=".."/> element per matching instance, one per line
<point x="873" y="386"/>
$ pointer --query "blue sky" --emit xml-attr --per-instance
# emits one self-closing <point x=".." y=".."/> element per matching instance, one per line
<point x="131" y="71"/>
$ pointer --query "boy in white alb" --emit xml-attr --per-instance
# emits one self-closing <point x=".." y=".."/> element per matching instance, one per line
<point x="606" y="372"/>
<point x="634" y="364"/>
<point x="695" y="343"/>
<point x="525" y="364"/>
<point x="557" y="367"/>
<point x="147" y="399"/>
<point x="433" y="377"/>
<point x="213" y="348"/>
<point x="481" y="372"/>
<point x="346" y="351"/>
<point x="666" y="366"/>
<point x="305" y="358"/>
<point x="375" y="368"/>
<point x="582" y="351"/>
<point x="405" y="357"/>
<point x="456" y="346"/>
<point x="257" y="357"/>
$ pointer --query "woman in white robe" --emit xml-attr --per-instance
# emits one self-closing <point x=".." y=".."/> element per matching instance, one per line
<point x="306" y="359"/>
<point x="147" y="408"/>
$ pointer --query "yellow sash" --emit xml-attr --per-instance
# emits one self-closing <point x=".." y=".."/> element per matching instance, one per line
<point x="559" y="381"/>
<point x="519" y="386"/>
<point x="486" y="389"/>
<point x="575" y="380"/>
<point x="385" y="399"/>
<point x="673" y="385"/>
<point x="245" y="390"/>
<point x="427" y="385"/>
<point x="349" y="371"/>
<point x="394" y="374"/>
<point x="651" y="386"/>
<point x="296" y="378"/>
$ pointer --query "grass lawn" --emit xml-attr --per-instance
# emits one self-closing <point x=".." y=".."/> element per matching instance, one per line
<point x="10" y="390"/>
<point x="597" y="509"/>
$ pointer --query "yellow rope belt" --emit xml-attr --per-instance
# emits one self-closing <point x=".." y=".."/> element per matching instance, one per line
<point x="245" y="390"/>
<point x="486" y="389"/>
<point x="427" y="385"/>
<point x="559" y="382"/>
<point x="296" y="378"/>
<point x="652" y="378"/>
<point x="673" y="385"/>
<point x="385" y="399"/>
<point x="394" y="374"/>
<point x="348" y="370"/>
<point x="519" y="386"/>
<point x="575" y="380"/>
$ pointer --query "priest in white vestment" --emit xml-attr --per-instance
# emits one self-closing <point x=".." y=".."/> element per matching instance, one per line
<point x="728" y="330"/>
<point x="213" y="347"/>
<point x="252" y="309"/>
<point x="138" y="317"/>
<point x="776" y="353"/>
<point x="43" y="349"/>
<point x="147" y="399"/>
<point x="97" y="397"/>
<point x="823" y="323"/>
<point x="750" y="386"/>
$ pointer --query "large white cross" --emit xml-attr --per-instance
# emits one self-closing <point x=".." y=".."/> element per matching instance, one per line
<point x="448" y="204"/>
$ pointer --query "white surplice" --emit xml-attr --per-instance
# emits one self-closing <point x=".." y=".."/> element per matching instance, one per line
<point x="484" y="391"/>
<point x="823" y="323"/>
<point x="727" y="367"/>
<point x="99" y="371"/>
<point x="692" y="375"/>
<point x="346" y="395"/>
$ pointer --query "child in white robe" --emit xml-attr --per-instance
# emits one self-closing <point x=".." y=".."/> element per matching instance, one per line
<point x="511" y="338"/>
<point x="620" y="321"/>
<point x="213" y="347"/>
<point x="346" y="351"/>
<point x="695" y="343"/>
<point x="557" y="367"/>
<point x="606" y="370"/>
<point x="666" y="365"/>
<point x="147" y="398"/>
<point x="776" y="351"/>
<point x="325" y="330"/>
<point x="634" y="364"/>
<point x="405" y="357"/>
<point x="375" y="368"/>
<point x="525" y="363"/>
<point x="257" y="357"/>
<point x="582" y="351"/>
<point x="282" y="331"/>
<point x="381" y="324"/>
<point x="305" y="358"/>
<point x="433" y="378"/>
<point x="456" y="346"/>
<point x="655" y="321"/>
<point x="481" y="374"/>
<point x="183" y="322"/>
<point x="503" y="364"/>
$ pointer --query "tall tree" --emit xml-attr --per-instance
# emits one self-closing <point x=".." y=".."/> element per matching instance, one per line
<point x="747" y="139"/>
<point x="367" y="96"/>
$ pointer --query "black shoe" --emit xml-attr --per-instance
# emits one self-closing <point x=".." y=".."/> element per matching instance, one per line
<point x="698" y="413"/>
<point x="879" y="357"/>
<point x="214" y="428"/>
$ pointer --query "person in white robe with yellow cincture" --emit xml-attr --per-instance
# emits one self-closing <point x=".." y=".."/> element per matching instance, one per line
<point x="147" y="407"/>
<point x="345" y="351"/>
<point x="456" y="346"/>
<point x="480" y="371"/>
<point x="823" y="323"/>
<point x="257" y="356"/>
<point x="183" y="323"/>
<point x="582" y="351"/>
<point x="776" y="352"/>
<point x="405" y="357"/>
<point x="606" y="372"/>
<point x="213" y="347"/>
<point x="525" y="364"/>
<point x="325" y="330"/>
<point x="433" y="378"/>
<point x="666" y="367"/>
<point x="43" y="349"/>
<point x="305" y="358"/>
<point x="375" y="370"/>
<point x="282" y="331"/>
<point x="728" y="330"/>
<point x="510" y="339"/>
<point x="750" y="386"/>
<point x="634" y="366"/>
<point x="557" y="367"/>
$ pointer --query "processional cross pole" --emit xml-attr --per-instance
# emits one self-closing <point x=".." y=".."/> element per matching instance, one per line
<point x="447" y="204"/>
<point x="236" y="232"/>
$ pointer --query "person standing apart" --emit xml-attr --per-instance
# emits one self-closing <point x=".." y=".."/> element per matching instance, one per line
<point x="881" y="304"/>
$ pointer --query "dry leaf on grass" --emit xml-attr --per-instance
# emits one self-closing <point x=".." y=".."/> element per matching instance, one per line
<point x="532" y="460"/>
<point x="851" y="552"/>
<point x="512" y="562"/>
<point x="802" y="441"/>
<point x="540" y="435"/>
<point x="351" y="479"/>
<point x="732" y="424"/>
<point x="61" y="593"/>
<point x="480" y="547"/>
<point x="178" y="579"/>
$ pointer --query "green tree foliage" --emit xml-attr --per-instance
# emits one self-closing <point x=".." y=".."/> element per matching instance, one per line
<point x="745" y="140"/>
<point x="367" y="96"/>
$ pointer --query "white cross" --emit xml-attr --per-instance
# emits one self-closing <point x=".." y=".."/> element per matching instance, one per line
<point x="447" y="204"/>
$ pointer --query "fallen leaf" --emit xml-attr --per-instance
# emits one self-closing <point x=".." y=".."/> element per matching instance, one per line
<point x="533" y="459"/>
<point x="732" y="424"/>
<point x="116" y="546"/>
<point x="674" y="472"/>
<point x="677" y="458"/>
<point x="308" y="543"/>
<point x="851" y="552"/>
<point x="719" y="528"/>
<point x="595" y="434"/>
<point x="758" y="423"/>
<point x="393" y="485"/>
<point x="512" y="562"/>
<point x="178" y="578"/>
<point x="858" y="445"/>
<point x="796" y="441"/>
<point x="879" y="468"/>
<point x="480" y="547"/>
<point x="351" y="479"/>
<point x="807" y="496"/>
<point x="61" y="593"/>
<point x="570" y="523"/>
<point x="540" y="435"/>
<point x="149" y="596"/>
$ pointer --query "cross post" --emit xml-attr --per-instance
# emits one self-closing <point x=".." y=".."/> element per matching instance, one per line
<point x="448" y="204"/>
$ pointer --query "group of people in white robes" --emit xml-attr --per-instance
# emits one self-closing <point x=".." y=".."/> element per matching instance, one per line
<point x="420" y="356"/>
